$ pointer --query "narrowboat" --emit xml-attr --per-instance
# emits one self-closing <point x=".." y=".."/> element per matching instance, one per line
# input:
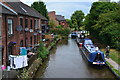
<point x="92" y="53"/>
<point x="73" y="35"/>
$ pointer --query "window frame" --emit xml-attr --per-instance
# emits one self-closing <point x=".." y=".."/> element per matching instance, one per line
<point x="31" y="24"/>
<point x="11" y="28"/>
<point x="26" y="23"/>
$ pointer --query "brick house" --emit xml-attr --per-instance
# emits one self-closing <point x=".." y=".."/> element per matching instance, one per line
<point x="61" y="20"/>
<point x="21" y="27"/>
<point x="57" y="19"/>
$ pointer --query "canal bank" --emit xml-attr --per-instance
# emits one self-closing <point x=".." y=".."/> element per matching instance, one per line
<point x="113" y="62"/>
<point x="30" y="71"/>
<point x="66" y="61"/>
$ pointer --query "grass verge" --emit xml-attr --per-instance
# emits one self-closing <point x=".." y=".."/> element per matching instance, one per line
<point x="114" y="55"/>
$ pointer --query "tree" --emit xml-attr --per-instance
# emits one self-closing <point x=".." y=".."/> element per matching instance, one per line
<point x="69" y="23"/>
<point x="104" y="23"/>
<point x="77" y="19"/>
<point x="108" y="28"/>
<point x="52" y="24"/>
<point x="96" y="10"/>
<point x="40" y="7"/>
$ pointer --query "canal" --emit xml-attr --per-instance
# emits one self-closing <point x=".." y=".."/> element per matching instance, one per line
<point x="67" y="61"/>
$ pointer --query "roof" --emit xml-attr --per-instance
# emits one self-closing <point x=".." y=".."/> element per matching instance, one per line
<point x="60" y="18"/>
<point x="6" y="10"/>
<point x="24" y="9"/>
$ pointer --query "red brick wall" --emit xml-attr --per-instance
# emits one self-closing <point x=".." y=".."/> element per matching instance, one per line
<point x="63" y="23"/>
<point x="17" y="35"/>
<point x="53" y="17"/>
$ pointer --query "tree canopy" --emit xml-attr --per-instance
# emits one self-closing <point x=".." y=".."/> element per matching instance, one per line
<point x="96" y="10"/>
<point x="77" y="19"/>
<point x="104" y="22"/>
<point x="40" y="7"/>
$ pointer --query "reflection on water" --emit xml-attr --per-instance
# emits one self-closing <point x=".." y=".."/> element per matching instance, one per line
<point x="67" y="61"/>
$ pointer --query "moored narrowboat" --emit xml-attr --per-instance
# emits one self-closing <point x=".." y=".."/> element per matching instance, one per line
<point x="92" y="53"/>
<point x="73" y="35"/>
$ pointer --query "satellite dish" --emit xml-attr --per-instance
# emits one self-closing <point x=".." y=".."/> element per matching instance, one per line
<point x="19" y="28"/>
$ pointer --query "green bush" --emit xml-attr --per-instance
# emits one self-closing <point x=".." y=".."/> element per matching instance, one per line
<point x="61" y="31"/>
<point x="24" y="75"/>
<point x="59" y="26"/>
<point x="42" y="51"/>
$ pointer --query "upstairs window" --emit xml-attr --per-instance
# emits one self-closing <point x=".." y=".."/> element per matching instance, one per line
<point x="21" y="22"/>
<point x="36" y="24"/>
<point x="26" y="23"/>
<point x="30" y="24"/>
<point x="10" y="26"/>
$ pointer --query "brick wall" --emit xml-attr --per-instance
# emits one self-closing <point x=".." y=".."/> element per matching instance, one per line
<point x="17" y="36"/>
<point x="52" y="16"/>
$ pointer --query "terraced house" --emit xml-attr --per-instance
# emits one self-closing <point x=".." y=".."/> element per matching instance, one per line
<point x="21" y="27"/>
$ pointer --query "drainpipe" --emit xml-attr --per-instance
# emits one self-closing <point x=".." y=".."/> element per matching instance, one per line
<point x="5" y="63"/>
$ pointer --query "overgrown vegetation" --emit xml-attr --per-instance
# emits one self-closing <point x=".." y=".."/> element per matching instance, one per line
<point x="42" y="51"/>
<point x="60" y="31"/>
<point x="24" y="75"/>
<point x="52" y="23"/>
<point x="104" y="23"/>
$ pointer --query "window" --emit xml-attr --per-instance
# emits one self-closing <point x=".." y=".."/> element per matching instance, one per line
<point x="30" y="24"/>
<point x="34" y="39"/>
<point x="26" y="42"/>
<point x="26" y="22"/>
<point x="21" y="43"/>
<point x="36" y="24"/>
<point x="21" y="22"/>
<point x="10" y="26"/>
<point x="31" y="40"/>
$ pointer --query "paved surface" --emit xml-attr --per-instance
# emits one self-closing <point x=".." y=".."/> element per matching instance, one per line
<point x="113" y="63"/>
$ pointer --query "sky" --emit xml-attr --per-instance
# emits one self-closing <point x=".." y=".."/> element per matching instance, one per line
<point x="66" y="7"/>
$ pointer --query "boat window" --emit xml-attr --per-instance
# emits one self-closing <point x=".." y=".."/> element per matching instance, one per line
<point x="88" y="42"/>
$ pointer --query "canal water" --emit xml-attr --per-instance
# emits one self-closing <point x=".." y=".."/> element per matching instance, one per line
<point x="67" y="61"/>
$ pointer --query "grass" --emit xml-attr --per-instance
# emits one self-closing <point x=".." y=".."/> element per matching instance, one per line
<point x="114" y="55"/>
<point x="116" y="71"/>
<point x="109" y="64"/>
